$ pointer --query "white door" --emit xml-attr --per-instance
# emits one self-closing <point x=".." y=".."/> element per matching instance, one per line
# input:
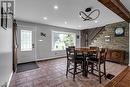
<point x="26" y="46"/>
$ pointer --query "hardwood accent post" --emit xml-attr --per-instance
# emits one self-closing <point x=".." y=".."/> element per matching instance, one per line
<point x="14" y="46"/>
<point x="117" y="7"/>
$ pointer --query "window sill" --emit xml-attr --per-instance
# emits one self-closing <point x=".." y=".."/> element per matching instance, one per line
<point x="57" y="50"/>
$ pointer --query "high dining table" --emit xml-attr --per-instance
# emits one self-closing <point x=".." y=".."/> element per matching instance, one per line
<point x="86" y="52"/>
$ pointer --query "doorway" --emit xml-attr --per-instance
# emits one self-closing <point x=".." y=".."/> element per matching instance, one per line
<point x="26" y="44"/>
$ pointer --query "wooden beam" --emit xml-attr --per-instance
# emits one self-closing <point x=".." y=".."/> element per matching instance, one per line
<point x="121" y="80"/>
<point x="117" y="7"/>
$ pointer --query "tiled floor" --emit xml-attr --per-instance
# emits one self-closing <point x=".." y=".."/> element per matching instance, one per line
<point x="52" y="74"/>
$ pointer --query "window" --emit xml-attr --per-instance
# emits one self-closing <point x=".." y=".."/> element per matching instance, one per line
<point x="61" y="40"/>
<point x="26" y="40"/>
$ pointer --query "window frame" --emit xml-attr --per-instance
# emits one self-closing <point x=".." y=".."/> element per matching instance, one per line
<point x="63" y="33"/>
<point x="21" y="42"/>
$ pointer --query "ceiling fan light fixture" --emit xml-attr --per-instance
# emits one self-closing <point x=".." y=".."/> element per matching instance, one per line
<point x="89" y="16"/>
<point x="88" y="9"/>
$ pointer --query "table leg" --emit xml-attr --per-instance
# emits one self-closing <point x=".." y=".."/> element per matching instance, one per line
<point x="85" y="68"/>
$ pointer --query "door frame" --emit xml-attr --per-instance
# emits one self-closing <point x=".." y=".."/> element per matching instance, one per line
<point x="34" y="30"/>
<point x="14" y="35"/>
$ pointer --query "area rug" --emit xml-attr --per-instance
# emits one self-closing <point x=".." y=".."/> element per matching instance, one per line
<point x="26" y="66"/>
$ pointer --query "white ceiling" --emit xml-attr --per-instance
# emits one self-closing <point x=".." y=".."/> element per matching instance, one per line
<point x="68" y="10"/>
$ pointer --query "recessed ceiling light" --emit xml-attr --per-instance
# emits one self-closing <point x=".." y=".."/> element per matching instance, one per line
<point x="40" y="40"/>
<point x="45" y="18"/>
<point x="65" y="22"/>
<point x="96" y="21"/>
<point x="56" y="7"/>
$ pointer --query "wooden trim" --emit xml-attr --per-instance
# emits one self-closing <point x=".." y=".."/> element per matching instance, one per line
<point x="91" y="34"/>
<point x="119" y="78"/>
<point x="117" y="7"/>
<point x="14" y="46"/>
<point x="102" y="28"/>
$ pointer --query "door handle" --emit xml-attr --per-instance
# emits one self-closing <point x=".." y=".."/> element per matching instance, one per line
<point x="33" y="45"/>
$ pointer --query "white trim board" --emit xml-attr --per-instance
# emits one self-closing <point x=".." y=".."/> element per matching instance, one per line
<point x="10" y="79"/>
<point x="51" y="58"/>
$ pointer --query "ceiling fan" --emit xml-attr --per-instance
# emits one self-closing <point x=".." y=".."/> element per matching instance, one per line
<point x="89" y="14"/>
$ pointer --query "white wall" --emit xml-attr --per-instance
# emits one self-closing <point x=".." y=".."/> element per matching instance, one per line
<point x="5" y="54"/>
<point x="43" y="49"/>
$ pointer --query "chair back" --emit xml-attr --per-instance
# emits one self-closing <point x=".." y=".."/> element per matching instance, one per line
<point x="70" y="52"/>
<point x="95" y="51"/>
<point x="103" y="53"/>
<point x="73" y="54"/>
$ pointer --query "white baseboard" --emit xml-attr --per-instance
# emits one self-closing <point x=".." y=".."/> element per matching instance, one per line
<point x="10" y="79"/>
<point x="49" y="58"/>
<point x="40" y="59"/>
